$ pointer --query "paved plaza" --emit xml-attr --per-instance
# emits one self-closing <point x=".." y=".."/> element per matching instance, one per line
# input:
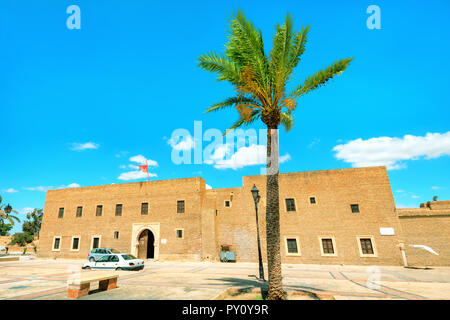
<point x="47" y="279"/>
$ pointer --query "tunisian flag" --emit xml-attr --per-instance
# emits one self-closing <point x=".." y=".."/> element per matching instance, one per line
<point x="144" y="168"/>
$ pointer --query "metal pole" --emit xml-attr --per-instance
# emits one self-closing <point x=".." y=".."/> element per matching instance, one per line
<point x="261" y="268"/>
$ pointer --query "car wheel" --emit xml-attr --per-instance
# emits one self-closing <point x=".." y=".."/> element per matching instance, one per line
<point x="87" y="268"/>
<point x="91" y="259"/>
<point x="118" y="269"/>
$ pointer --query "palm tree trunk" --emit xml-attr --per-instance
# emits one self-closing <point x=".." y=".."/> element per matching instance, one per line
<point x="273" y="218"/>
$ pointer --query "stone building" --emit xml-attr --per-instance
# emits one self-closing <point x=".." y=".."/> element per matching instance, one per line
<point x="345" y="216"/>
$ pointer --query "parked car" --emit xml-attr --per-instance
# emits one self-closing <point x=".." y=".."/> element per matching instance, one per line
<point x="120" y="261"/>
<point x="97" y="253"/>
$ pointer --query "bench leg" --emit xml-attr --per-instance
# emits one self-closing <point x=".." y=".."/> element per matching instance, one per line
<point x="108" y="284"/>
<point x="78" y="291"/>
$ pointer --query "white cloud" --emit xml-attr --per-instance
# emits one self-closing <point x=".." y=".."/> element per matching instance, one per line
<point x="435" y="188"/>
<point x="244" y="156"/>
<point x="10" y="190"/>
<point x="143" y="160"/>
<point x="135" y="175"/>
<point x="26" y="210"/>
<point x="285" y="158"/>
<point x="208" y="186"/>
<point x="72" y="185"/>
<point x="390" y="152"/>
<point x="314" y="142"/>
<point x="39" y="188"/>
<point x="179" y="144"/>
<point x="415" y="197"/>
<point x="84" y="146"/>
<point x="400" y="191"/>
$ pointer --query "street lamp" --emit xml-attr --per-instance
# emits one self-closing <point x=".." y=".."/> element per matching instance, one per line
<point x="256" y="197"/>
<point x="8" y="209"/>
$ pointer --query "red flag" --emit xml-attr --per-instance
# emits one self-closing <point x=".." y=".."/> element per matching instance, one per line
<point x="144" y="168"/>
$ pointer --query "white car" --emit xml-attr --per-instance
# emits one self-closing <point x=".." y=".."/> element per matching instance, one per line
<point x="121" y="261"/>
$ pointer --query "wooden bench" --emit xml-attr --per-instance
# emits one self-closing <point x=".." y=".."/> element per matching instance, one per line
<point x="79" y="287"/>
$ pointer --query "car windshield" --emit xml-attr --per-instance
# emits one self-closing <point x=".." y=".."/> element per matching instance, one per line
<point x="114" y="251"/>
<point x="128" y="257"/>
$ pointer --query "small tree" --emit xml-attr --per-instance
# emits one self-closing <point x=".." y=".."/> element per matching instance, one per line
<point x="22" y="238"/>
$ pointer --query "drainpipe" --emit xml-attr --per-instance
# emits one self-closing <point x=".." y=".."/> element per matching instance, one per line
<point x="402" y="250"/>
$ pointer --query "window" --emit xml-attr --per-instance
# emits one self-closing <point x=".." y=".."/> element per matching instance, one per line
<point x="292" y="245"/>
<point x="312" y="200"/>
<point x="118" y="209"/>
<point x="113" y="259"/>
<point x="99" y="210"/>
<point x="116" y="234"/>
<point x="366" y="246"/>
<point x="79" y="211"/>
<point x="144" y="208"/>
<point x="355" y="208"/>
<point x="56" y="243"/>
<point x="290" y="204"/>
<point x="327" y="246"/>
<point x="95" y="242"/>
<point x="75" y="243"/>
<point x="179" y="233"/>
<point x="61" y="213"/>
<point x="180" y="206"/>
<point x="227" y="203"/>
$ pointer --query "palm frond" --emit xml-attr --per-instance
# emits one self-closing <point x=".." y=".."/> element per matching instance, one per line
<point x="12" y="218"/>
<point x="298" y="47"/>
<point x="226" y="69"/>
<point x="287" y="120"/>
<point x="230" y="102"/>
<point x="246" y="47"/>
<point x="320" y="78"/>
<point x="255" y="115"/>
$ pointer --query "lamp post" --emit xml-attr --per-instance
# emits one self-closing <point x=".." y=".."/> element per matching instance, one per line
<point x="256" y="197"/>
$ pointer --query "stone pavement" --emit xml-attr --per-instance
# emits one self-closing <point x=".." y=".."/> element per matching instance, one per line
<point x="47" y="279"/>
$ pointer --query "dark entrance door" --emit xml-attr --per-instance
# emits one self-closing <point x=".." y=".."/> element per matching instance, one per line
<point x="95" y="244"/>
<point x="146" y="249"/>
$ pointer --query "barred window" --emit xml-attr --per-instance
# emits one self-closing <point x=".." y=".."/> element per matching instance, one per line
<point x="292" y="245"/>
<point x="75" y="243"/>
<point x="290" y="204"/>
<point x="144" y="208"/>
<point x="61" y="213"/>
<point x="180" y="206"/>
<point x="116" y="234"/>
<point x="99" y="211"/>
<point x="179" y="233"/>
<point x="79" y="211"/>
<point x="327" y="245"/>
<point x="227" y="203"/>
<point x="312" y="200"/>
<point x="366" y="246"/>
<point x="118" y="209"/>
<point x="355" y="208"/>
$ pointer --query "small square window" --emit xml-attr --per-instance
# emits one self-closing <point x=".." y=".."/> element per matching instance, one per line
<point x="75" y="243"/>
<point x="312" y="200"/>
<point x="61" y="213"/>
<point x="366" y="246"/>
<point x="292" y="245"/>
<point x="99" y="211"/>
<point x="227" y="203"/>
<point x="180" y="206"/>
<point x="79" y="212"/>
<point x="56" y="244"/>
<point x="179" y="233"/>
<point x="116" y="234"/>
<point x="327" y="245"/>
<point x="118" y="209"/>
<point x="290" y="204"/>
<point x="144" y="208"/>
<point x="355" y="208"/>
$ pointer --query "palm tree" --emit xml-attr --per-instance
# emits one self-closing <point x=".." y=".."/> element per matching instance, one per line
<point x="260" y="81"/>
<point x="5" y="213"/>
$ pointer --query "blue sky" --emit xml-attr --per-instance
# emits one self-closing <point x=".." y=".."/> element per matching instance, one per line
<point x="118" y="88"/>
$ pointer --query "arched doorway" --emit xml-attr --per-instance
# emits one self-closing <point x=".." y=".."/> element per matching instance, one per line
<point x="146" y="247"/>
